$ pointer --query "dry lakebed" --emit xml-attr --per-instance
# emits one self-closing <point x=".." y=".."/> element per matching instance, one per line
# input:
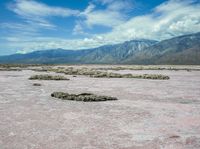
<point x="140" y="107"/>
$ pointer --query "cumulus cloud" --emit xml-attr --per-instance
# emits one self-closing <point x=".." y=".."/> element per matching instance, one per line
<point x="172" y="18"/>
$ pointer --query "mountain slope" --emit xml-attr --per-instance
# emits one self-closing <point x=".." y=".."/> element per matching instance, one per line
<point x="179" y="50"/>
<point x="114" y="54"/>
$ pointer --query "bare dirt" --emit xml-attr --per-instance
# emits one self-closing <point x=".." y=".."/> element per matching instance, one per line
<point x="150" y="114"/>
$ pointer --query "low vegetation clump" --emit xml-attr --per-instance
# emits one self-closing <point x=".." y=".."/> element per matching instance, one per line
<point x="42" y="69"/>
<point x="6" y="67"/>
<point x="103" y="74"/>
<point x="72" y="71"/>
<point x="47" y="77"/>
<point x="175" y="68"/>
<point x="143" y="76"/>
<point x="152" y="76"/>
<point x="16" y="67"/>
<point x="10" y="69"/>
<point x="85" y="97"/>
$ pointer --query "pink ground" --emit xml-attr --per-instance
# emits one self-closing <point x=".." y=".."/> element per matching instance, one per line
<point x="150" y="114"/>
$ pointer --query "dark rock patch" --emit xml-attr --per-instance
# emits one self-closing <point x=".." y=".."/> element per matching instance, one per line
<point x="37" y="84"/>
<point x="174" y="136"/>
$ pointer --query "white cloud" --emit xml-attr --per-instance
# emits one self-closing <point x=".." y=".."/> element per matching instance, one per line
<point x="17" y="27"/>
<point x="170" y="19"/>
<point x="78" y="29"/>
<point x="104" y="1"/>
<point x="38" y="13"/>
<point x="30" y="8"/>
<point x="113" y="15"/>
<point x="121" y="5"/>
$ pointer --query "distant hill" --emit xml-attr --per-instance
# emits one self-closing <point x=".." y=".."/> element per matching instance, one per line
<point x="104" y="54"/>
<point x="179" y="50"/>
<point x="44" y="57"/>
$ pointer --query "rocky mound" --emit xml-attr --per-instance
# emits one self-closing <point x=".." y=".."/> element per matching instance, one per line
<point x="85" y="97"/>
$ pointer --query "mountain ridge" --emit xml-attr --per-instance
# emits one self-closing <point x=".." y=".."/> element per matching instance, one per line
<point x="183" y="49"/>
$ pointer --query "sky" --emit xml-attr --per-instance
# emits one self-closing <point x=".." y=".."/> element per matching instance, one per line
<point x="31" y="25"/>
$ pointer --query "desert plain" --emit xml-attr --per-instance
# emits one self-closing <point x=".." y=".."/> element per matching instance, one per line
<point x="149" y="114"/>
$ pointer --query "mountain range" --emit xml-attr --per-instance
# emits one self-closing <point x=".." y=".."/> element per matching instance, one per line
<point x="178" y="50"/>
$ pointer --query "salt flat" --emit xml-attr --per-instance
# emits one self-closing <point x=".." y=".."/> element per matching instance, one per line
<point x="149" y="113"/>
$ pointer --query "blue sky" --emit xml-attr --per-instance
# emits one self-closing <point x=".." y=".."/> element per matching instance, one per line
<point x="30" y="25"/>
